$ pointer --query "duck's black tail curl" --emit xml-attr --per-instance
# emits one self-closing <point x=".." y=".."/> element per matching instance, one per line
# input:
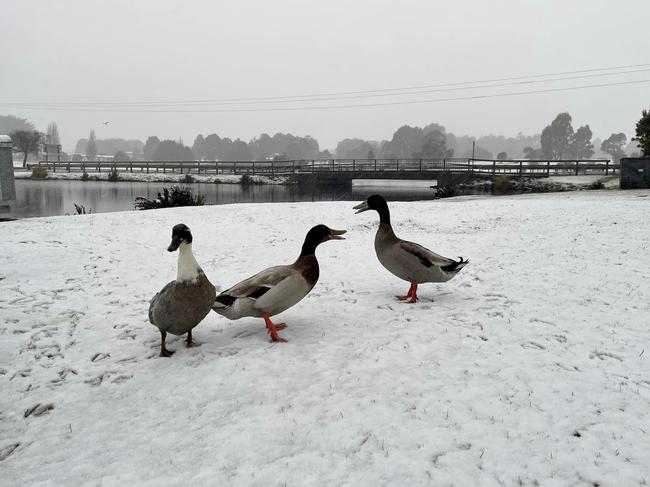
<point x="455" y="266"/>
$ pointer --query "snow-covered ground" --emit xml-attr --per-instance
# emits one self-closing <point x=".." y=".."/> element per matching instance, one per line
<point x="531" y="367"/>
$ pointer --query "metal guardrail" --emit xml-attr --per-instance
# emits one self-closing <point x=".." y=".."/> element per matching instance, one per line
<point x="518" y="167"/>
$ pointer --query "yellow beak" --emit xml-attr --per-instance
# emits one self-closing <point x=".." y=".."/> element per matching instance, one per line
<point x="361" y="207"/>
<point x="336" y="234"/>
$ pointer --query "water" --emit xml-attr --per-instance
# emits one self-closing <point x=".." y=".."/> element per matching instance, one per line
<point x="57" y="197"/>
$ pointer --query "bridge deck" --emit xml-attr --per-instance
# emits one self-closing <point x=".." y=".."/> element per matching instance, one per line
<point x="350" y="168"/>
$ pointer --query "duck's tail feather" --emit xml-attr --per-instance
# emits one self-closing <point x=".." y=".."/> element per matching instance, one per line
<point x="223" y="301"/>
<point x="455" y="266"/>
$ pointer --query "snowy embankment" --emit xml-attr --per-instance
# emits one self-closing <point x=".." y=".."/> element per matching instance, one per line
<point x="158" y="177"/>
<point x="529" y="368"/>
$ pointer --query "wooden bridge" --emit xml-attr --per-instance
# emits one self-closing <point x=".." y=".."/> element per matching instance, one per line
<point x="344" y="170"/>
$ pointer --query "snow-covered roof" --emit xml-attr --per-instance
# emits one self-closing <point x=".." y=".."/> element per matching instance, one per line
<point x="5" y="139"/>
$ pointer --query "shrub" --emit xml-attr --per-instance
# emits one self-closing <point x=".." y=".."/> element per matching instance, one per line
<point x="113" y="176"/>
<point x="85" y="177"/>
<point x="501" y="185"/>
<point x="596" y="185"/>
<point x="188" y="179"/>
<point x="173" y="197"/>
<point x="449" y="184"/>
<point x="81" y="209"/>
<point x="246" y="180"/>
<point x="39" y="173"/>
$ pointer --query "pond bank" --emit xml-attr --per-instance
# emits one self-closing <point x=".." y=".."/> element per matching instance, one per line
<point x="158" y="177"/>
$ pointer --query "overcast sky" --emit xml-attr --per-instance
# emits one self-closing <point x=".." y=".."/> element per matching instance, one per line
<point x="89" y="51"/>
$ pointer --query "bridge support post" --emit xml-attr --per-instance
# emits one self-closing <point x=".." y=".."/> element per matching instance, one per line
<point x="577" y="167"/>
<point x="7" y="182"/>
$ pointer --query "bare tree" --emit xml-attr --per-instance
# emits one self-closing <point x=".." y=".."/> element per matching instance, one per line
<point x="27" y="142"/>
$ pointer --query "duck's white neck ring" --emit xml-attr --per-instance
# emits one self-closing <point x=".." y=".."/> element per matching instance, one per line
<point x="188" y="267"/>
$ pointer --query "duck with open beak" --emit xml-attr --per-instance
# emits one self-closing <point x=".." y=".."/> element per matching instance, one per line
<point x="277" y="288"/>
<point x="407" y="260"/>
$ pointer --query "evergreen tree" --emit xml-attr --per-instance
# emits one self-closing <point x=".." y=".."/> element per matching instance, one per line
<point x="52" y="134"/>
<point x="91" y="147"/>
<point x="581" y="146"/>
<point x="556" y="137"/>
<point x="150" y="147"/>
<point x="121" y="156"/>
<point x="614" y="145"/>
<point x="530" y="153"/>
<point x="643" y="133"/>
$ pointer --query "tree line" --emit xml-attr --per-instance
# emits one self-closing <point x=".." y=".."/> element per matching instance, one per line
<point x="558" y="140"/>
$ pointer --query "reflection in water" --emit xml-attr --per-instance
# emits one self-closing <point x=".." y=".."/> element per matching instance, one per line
<point x="57" y="197"/>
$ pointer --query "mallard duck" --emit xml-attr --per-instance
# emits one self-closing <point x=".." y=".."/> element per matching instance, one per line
<point x="278" y="288"/>
<point x="407" y="260"/>
<point x="182" y="304"/>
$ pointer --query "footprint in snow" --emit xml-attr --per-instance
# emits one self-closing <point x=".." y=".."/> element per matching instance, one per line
<point x="8" y="450"/>
<point x="604" y="355"/>
<point x="38" y="410"/>
<point x="99" y="356"/>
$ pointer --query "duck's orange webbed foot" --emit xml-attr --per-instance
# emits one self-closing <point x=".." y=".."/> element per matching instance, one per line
<point x="412" y="296"/>
<point x="273" y="329"/>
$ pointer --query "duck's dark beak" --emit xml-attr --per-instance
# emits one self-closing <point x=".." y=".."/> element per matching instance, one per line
<point x="336" y="234"/>
<point x="361" y="207"/>
<point x="176" y="242"/>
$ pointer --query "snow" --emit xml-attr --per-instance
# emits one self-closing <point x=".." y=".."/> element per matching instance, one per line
<point x="158" y="177"/>
<point x="529" y="368"/>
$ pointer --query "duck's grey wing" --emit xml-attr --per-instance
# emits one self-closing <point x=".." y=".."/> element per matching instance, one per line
<point x="428" y="258"/>
<point x="255" y="286"/>
<point x="157" y="302"/>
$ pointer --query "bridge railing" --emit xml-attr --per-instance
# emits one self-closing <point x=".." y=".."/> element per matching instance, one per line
<point x="514" y="167"/>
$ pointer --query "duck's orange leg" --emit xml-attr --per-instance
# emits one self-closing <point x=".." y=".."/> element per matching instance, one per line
<point x="273" y="328"/>
<point x="411" y="296"/>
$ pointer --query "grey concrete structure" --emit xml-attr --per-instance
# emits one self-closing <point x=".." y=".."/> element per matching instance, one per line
<point x="7" y="184"/>
<point x="635" y="173"/>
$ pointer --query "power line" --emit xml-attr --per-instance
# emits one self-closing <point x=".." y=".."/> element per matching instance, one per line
<point x="439" y="90"/>
<point x="333" y="107"/>
<point x="350" y="94"/>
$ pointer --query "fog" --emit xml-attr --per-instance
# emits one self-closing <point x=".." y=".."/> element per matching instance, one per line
<point x="90" y="52"/>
